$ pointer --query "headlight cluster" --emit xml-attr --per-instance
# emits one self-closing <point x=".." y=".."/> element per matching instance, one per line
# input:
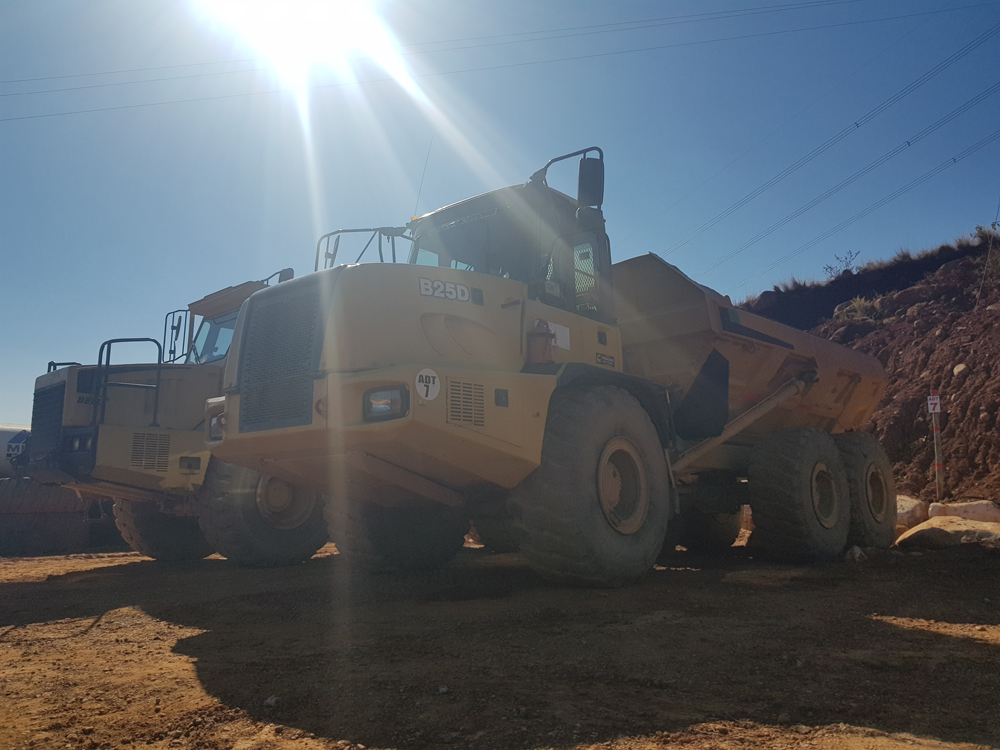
<point x="389" y="402"/>
<point x="217" y="427"/>
<point x="79" y="443"/>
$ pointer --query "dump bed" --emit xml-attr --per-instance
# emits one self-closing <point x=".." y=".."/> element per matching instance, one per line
<point x="718" y="361"/>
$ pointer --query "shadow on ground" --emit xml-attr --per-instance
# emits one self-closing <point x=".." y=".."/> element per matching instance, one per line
<point x="485" y="653"/>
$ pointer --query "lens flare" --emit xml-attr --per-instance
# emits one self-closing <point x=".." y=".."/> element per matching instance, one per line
<point x="298" y="36"/>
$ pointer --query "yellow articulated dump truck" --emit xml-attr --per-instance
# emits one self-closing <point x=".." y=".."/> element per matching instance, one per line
<point x="581" y="412"/>
<point x="133" y="432"/>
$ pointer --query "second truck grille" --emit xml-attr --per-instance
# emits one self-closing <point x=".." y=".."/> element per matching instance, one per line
<point x="46" y="420"/>
<point x="278" y="360"/>
<point x="466" y="404"/>
<point x="150" y="451"/>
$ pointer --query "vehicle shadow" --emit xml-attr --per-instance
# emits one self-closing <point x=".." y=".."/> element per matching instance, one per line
<point x="484" y="650"/>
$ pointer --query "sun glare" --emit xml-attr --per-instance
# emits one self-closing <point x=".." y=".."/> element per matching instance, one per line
<point x="298" y="36"/>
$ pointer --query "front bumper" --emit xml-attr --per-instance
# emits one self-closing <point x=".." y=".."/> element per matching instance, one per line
<point x="481" y="428"/>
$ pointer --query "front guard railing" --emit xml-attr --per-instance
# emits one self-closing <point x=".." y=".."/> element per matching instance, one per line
<point x="330" y="255"/>
<point x="101" y="382"/>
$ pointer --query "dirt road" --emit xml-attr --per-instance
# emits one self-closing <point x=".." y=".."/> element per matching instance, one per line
<point x="115" y="650"/>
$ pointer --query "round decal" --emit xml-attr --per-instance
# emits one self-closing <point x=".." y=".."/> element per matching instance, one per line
<point x="428" y="384"/>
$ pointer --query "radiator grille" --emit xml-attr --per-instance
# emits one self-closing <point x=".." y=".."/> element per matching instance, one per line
<point x="150" y="451"/>
<point x="46" y="420"/>
<point x="466" y="404"/>
<point x="278" y="361"/>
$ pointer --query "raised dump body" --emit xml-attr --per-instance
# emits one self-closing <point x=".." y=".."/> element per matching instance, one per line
<point x="719" y="361"/>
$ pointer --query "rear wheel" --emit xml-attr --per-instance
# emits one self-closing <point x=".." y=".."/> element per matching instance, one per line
<point x="872" y="490"/>
<point x="415" y="537"/>
<point x="595" y="511"/>
<point x="257" y="520"/>
<point x="155" y="534"/>
<point x="38" y="519"/>
<point x="799" y="495"/>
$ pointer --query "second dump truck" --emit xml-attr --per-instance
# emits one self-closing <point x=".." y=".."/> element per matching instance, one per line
<point x="580" y="410"/>
<point x="133" y="433"/>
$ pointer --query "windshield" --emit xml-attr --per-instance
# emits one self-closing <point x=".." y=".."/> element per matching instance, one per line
<point x="213" y="338"/>
<point x="485" y="242"/>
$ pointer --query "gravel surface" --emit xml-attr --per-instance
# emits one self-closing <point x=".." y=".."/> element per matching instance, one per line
<point x="115" y="650"/>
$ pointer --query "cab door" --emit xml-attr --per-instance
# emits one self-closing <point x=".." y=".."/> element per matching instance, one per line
<point x="570" y="302"/>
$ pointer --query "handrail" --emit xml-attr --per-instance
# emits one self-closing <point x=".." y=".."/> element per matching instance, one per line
<point x="53" y="365"/>
<point x="177" y="323"/>
<point x="101" y="383"/>
<point x="330" y="257"/>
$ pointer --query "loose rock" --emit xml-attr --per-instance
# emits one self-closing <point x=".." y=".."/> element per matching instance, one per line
<point x="910" y="511"/>
<point x="976" y="510"/>
<point x="950" y="531"/>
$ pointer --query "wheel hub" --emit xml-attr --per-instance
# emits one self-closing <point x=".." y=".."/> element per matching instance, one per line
<point x="824" y="495"/>
<point x="282" y="506"/>
<point x="877" y="493"/>
<point x="621" y="486"/>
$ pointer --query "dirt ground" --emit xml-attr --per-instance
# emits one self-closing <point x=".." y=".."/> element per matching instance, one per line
<point x="115" y="650"/>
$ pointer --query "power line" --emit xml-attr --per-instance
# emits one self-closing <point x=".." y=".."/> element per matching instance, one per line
<point x="828" y="144"/>
<point x="485" y="68"/>
<point x="791" y="119"/>
<point x="661" y="21"/>
<point x="856" y="176"/>
<point x="646" y="24"/>
<point x="874" y="207"/>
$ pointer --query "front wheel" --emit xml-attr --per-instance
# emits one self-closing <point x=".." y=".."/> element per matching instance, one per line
<point x="257" y="520"/>
<point x="595" y="511"/>
<point x="153" y="533"/>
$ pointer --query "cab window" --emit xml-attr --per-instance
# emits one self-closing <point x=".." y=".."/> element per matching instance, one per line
<point x="212" y="341"/>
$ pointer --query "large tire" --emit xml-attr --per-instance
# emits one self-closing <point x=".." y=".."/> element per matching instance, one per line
<point x="496" y="534"/>
<point x="595" y="511"/>
<point x="258" y="521"/>
<point x="38" y="519"/>
<point x="155" y="534"/>
<point x="872" y="490"/>
<point x="799" y="496"/>
<point x="415" y="538"/>
<point x="709" y="533"/>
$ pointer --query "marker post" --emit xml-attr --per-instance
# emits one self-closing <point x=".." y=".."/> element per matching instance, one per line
<point x="934" y="408"/>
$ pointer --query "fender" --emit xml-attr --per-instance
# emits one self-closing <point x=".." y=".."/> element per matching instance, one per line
<point x="651" y="396"/>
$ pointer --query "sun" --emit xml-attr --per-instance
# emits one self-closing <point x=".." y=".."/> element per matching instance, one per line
<point x="297" y="36"/>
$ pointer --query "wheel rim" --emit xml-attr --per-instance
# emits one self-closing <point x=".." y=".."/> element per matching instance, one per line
<point x="877" y="492"/>
<point x="282" y="506"/>
<point x="621" y="486"/>
<point x="824" y="496"/>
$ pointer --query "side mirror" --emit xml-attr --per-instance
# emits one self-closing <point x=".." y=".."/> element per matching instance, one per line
<point x="286" y="274"/>
<point x="590" y="182"/>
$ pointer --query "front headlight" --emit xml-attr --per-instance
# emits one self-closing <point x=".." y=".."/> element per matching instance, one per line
<point x="386" y="403"/>
<point x="217" y="427"/>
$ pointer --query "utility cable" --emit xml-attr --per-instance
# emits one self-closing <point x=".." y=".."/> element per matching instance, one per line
<point x="780" y="127"/>
<point x="661" y="21"/>
<point x="848" y="130"/>
<point x="856" y="176"/>
<point x="648" y="24"/>
<point x="485" y="68"/>
<point x="874" y="207"/>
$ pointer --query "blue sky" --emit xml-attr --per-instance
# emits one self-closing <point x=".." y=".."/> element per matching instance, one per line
<point x="124" y="197"/>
